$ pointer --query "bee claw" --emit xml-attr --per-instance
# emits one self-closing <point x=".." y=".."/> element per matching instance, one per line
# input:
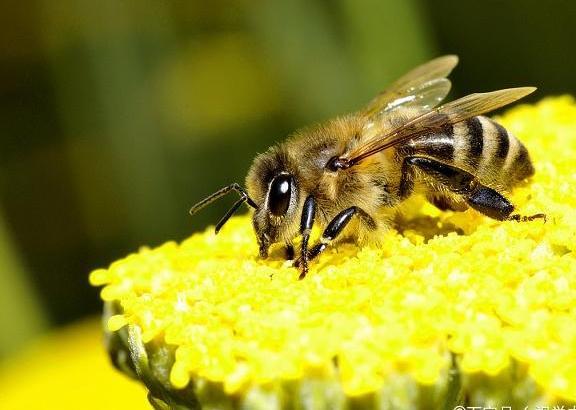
<point x="523" y="218"/>
<point x="298" y="262"/>
<point x="303" y="266"/>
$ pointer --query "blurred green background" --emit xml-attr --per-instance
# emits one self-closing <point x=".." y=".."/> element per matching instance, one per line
<point x="117" y="115"/>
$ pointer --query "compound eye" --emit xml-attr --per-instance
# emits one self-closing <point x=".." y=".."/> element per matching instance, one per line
<point x="279" y="195"/>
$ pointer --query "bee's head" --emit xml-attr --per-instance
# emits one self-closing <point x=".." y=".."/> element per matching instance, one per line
<point x="275" y="191"/>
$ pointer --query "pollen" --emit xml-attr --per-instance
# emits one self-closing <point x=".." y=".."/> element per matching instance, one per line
<point x="442" y="294"/>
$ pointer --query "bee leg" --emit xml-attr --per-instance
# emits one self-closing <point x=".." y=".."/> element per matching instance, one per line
<point x="480" y="197"/>
<point x="493" y="204"/>
<point x="289" y="252"/>
<point x="445" y="203"/>
<point x="306" y="223"/>
<point x="524" y="218"/>
<point x="455" y="179"/>
<point x="335" y="227"/>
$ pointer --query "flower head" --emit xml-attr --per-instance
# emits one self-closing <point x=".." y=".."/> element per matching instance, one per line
<point x="448" y="306"/>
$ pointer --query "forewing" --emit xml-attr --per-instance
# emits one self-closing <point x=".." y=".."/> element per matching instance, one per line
<point x="435" y="120"/>
<point x="425" y="86"/>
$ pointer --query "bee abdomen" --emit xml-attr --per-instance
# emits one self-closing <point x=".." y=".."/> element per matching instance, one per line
<point x="479" y="146"/>
<point x="492" y="153"/>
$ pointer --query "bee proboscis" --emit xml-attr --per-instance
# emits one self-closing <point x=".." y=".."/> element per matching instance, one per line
<point x="350" y="174"/>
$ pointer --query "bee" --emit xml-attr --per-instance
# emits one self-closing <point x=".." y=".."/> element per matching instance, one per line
<point x="350" y="174"/>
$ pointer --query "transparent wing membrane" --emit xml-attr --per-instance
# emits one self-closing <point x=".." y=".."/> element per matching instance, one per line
<point x="437" y="118"/>
<point x="425" y="86"/>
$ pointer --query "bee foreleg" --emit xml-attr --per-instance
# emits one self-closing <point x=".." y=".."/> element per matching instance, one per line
<point x="306" y="223"/>
<point x="484" y="199"/>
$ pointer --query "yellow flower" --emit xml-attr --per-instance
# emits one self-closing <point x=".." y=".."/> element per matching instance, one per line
<point x="451" y="307"/>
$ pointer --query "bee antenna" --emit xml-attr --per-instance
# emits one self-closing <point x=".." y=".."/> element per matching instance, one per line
<point x="244" y="197"/>
<point x="228" y="214"/>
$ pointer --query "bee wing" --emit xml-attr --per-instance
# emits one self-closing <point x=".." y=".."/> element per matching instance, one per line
<point x="425" y="86"/>
<point x="434" y="120"/>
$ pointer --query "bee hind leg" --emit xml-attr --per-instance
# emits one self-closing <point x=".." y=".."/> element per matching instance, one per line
<point x="526" y="218"/>
<point x="493" y="204"/>
<point x="484" y="199"/>
<point x="445" y="203"/>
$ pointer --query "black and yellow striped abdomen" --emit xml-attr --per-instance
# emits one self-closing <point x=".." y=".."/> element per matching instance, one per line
<point x="480" y="146"/>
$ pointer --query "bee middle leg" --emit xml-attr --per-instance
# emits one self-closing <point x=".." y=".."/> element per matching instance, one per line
<point x="331" y="232"/>
<point x="480" y="197"/>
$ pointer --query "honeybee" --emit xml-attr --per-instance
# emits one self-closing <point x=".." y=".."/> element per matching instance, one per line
<point x="350" y="174"/>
